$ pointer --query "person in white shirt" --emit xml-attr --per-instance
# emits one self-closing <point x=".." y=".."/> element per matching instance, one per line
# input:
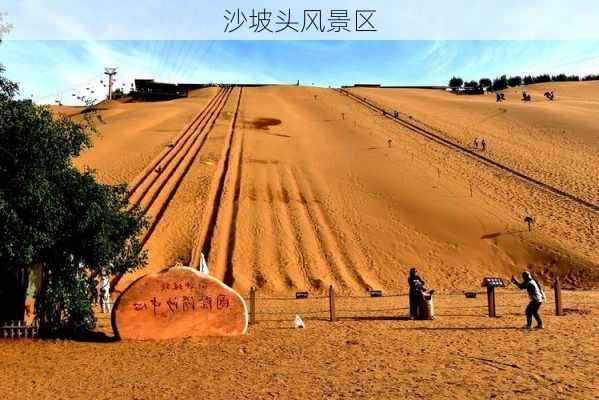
<point x="537" y="297"/>
<point x="105" y="294"/>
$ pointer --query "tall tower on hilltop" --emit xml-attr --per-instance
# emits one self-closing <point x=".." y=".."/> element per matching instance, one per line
<point x="111" y="72"/>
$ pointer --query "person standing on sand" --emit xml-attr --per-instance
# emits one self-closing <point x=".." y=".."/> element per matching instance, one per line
<point x="530" y="221"/>
<point x="416" y="286"/>
<point x="105" y="294"/>
<point x="483" y="145"/>
<point x="536" y="295"/>
<point x="476" y="142"/>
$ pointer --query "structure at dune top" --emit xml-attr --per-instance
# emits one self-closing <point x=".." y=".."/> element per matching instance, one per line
<point x="178" y="302"/>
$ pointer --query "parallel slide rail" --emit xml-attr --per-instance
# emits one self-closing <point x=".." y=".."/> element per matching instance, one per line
<point x="186" y="167"/>
<point x="452" y="145"/>
<point x="181" y="139"/>
<point x="193" y="137"/>
<point x="203" y="242"/>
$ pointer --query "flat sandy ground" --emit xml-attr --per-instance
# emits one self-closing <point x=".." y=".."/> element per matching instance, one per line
<point x="461" y="355"/>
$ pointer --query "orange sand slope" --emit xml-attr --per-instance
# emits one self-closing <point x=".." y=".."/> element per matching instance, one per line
<point x="308" y="192"/>
<point x="132" y="133"/>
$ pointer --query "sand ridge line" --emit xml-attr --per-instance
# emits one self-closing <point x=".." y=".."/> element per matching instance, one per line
<point x="290" y="229"/>
<point x="449" y="143"/>
<point x="332" y="240"/>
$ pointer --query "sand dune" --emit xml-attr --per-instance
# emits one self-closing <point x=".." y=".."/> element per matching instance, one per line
<point x="132" y="133"/>
<point x="310" y="194"/>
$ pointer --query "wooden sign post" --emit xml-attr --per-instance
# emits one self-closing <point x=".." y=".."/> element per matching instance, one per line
<point x="491" y="301"/>
<point x="332" y="316"/>
<point x="252" y="305"/>
<point x="557" y="289"/>
<point x="491" y="283"/>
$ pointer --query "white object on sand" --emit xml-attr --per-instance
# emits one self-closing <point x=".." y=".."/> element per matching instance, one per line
<point x="298" y="322"/>
<point x="203" y="265"/>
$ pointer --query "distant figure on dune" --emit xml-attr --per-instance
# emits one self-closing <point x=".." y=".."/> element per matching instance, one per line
<point x="483" y="145"/>
<point x="530" y="221"/>
<point x="537" y="297"/>
<point x="476" y="143"/>
<point x="526" y="96"/>
<point x="416" y="287"/>
<point x="549" y="95"/>
<point x="158" y="169"/>
<point x="389" y="141"/>
<point x="498" y="97"/>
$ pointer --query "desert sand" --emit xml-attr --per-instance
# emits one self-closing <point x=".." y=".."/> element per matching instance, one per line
<point x="291" y="188"/>
<point x="309" y="194"/>
<point x="377" y="355"/>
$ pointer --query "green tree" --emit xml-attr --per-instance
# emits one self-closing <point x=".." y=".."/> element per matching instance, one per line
<point x="514" y="81"/>
<point x="528" y="80"/>
<point x="499" y="83"/>
<point x="456" y="82"/>
<point x="53" y="215"/>
<point x="544" y="78"/>
<point x="471" y="84"/>
<point x="485" y="82"/>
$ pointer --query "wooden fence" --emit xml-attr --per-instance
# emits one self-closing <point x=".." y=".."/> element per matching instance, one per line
<point x="17" y="330"/>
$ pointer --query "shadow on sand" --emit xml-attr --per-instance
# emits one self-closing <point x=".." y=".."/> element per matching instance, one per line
<point x="463" y="328"/>
<point x="94" y="337"/>
<point x="495" y="235"/>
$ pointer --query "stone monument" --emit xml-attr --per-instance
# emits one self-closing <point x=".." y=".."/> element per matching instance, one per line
<point x="178" y="302"/>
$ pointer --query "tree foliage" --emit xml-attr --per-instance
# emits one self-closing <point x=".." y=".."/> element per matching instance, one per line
<point x="503" y="82"/>
<point x="53" y="215"/>
<point x="499" y="83"/>
<point x="456" y="82"/>
<point x="514" y="81"/>
<point x="485" y="82"/>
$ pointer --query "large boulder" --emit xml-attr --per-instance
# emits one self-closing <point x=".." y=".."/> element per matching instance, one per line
<point x="178" y="302"/>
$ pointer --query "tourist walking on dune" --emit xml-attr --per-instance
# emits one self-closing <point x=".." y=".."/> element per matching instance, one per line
<point x="483" y="145"/>
<point x="536" y="295"/>
<point x="416" y="286"/>
<point x="530" y="221"/>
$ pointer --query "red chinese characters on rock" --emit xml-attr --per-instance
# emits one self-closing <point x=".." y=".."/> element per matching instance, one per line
<point x="186" y="303"/>
<point x="179" y="286"/>
<point x="179" y="302"/>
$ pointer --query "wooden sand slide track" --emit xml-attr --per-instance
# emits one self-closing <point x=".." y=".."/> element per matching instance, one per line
<point x="182" y="167"/>
<point x="454" y="146"/>
<point x="184" y="135"/>
<point x="139" y="192"/>
<point x="225" y="171"/>
<point x="173" y="177"/>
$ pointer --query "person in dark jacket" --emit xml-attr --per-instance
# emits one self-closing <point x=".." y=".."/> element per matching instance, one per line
<point x="537" y="297"/>
<point x="416" y="287"/>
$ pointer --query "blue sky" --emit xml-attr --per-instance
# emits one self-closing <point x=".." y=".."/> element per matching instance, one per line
<point x="55" y="69"/>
